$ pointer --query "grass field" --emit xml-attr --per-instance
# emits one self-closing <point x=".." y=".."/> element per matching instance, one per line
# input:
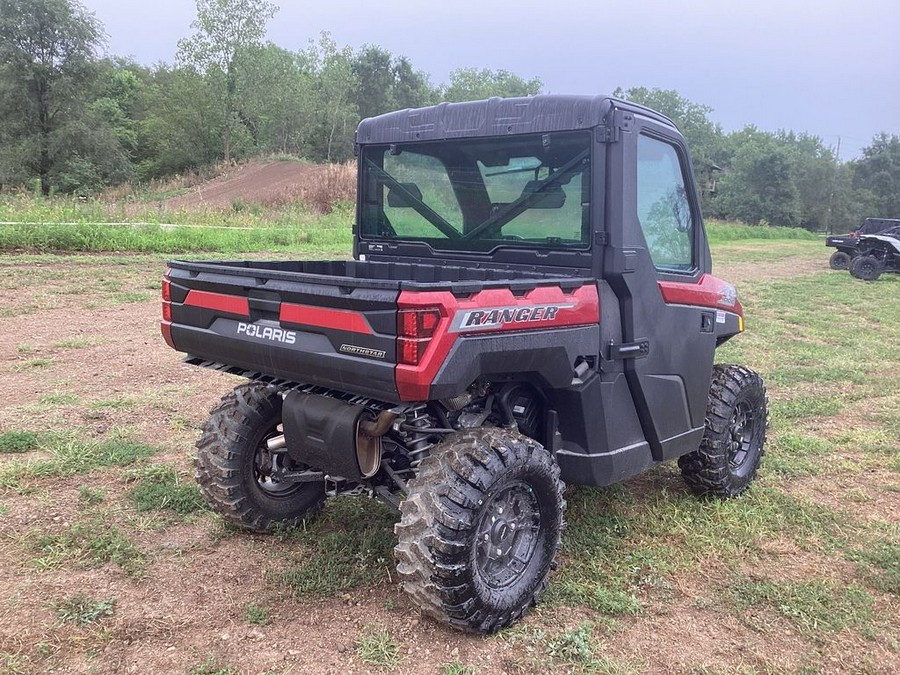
<point x="109" y="562"/>
<point x="38" y="226"/>
<point x="35" y="225"/>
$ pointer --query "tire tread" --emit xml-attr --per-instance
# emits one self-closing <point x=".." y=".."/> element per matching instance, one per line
<point x="220" y="460"/>
<point x="707" y="470"/>
<point x="438" y="516"/>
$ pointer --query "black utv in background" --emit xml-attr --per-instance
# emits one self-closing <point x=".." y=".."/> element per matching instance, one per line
<point x="847" y="245"/>
<point x="877" y="253"/>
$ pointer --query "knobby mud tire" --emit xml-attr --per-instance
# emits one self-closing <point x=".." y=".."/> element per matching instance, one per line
<point x="866" y="267"/>
<point x="713" y="469"/>
<point x="226" y="471"/>
<point x="443" y="519"/>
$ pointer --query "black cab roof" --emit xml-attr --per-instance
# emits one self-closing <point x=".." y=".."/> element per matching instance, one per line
<point x="496" y="117"/>
<point x="876" y="225"/>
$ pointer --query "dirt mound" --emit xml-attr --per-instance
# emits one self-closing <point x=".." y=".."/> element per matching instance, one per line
<point x="268" y="183"/>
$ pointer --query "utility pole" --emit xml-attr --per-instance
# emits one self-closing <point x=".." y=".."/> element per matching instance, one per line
<point x="829" y="225"/>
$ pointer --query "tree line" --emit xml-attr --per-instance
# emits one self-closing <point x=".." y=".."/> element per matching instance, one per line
<point x="74" y="121"/>
<point x="782" y="178"/>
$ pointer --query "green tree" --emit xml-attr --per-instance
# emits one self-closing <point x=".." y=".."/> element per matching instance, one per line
<point x="411" y="87"/>
<point x="334" y="107"/>
<point x="877" y="176"/>
<point x="847" y="206"/>
<point x="182" y="128"/>
<point x="759" y="185"/>
<point x="227" y="33"/>
<point x="47" y="68"/>
<point x="374" y="70"/>
<point x="387" y="83"/>
<point x="278" y="100"/>
<point x="704" y="137"/>
<point x="813" y="172"/>
<point x="471" y="84"/>
<point x="120" y="93"/>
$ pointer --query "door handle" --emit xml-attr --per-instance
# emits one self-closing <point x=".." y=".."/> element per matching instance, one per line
<point x="629" y="350"/>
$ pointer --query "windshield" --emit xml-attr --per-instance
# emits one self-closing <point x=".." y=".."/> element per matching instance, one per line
<point x="476" y="194"/>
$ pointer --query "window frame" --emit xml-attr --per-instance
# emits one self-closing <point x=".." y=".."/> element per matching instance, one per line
<point x="687" y="177"/>
<point x="583" y="246"/>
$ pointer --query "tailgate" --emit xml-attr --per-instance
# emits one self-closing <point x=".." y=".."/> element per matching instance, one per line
<point x="305" y="328"/>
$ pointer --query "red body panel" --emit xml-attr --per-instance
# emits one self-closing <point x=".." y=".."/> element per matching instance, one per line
<point x="303" y="315"/>
<point x="578" y="308"/>
<point x="165" y="327"/>
<point x="220" y="302"/>
<point x="337" y="319"/>
<point x="709" y="292"/>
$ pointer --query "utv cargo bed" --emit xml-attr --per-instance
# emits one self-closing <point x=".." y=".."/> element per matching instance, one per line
<point x="332" y="323"/>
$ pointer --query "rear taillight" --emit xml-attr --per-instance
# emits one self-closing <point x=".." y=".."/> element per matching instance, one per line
<point x="410" y="352"/>
<point x="166" y="299"/>
<point x="415" y="328"/>
<point x="165" y="325"/>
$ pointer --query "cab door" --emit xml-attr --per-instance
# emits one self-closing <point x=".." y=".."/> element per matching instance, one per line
<point x="655" y="234"/>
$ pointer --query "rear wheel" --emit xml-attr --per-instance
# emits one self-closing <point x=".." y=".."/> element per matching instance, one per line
<point x="480" y="528"/>
<point x="866" y="267"/>
<point x="236" y="470"/>
<point x="840" y="260"/>
<point x="732" y="447"/>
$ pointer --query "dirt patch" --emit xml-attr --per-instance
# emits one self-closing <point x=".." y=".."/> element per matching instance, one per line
<point x="789" y="267"/>
<point x="869" y="495"/>
<point x="701" y="639"/>
<point x="783" y="560"/>
<point x="270" y="183"/>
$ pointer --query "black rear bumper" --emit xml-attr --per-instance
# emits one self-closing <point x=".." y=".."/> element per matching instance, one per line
<point x="311" y="359"/>
<point x="843" y="242"/>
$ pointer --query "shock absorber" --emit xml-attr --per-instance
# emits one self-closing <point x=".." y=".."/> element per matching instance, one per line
<point x="420" y="443"/>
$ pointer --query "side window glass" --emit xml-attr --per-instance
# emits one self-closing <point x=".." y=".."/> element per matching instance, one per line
<point x="663" y="208"/>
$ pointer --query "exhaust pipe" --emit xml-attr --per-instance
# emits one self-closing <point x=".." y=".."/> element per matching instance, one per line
<point x="368" y="442"/>
<point x="338" y="438"/>
<point x="276" y="443"/>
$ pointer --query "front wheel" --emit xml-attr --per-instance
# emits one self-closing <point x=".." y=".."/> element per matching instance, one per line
<point x="480" y="528"/>
<point x="733" y="443"/>
<point x="236" y="471"/>
<point x="866" y="267"/>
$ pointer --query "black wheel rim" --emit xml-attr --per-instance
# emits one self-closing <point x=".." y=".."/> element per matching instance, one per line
<point x="266" y="464"/>
<point x="742" y="435"/>
<point x="507" y="535"/>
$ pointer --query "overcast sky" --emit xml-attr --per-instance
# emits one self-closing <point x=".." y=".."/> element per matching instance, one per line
<point x="827" y="67"/>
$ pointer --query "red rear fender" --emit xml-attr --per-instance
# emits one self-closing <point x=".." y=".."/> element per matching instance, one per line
<point x="495" y="310"/>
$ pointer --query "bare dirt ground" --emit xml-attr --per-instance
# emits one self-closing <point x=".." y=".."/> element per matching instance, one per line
<point x="80" y="353"/>
<point x="255" y="182"/>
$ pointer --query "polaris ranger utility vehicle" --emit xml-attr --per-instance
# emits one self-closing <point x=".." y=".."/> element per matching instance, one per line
<point x="530" y="303"/>
<point x="847" y="245"/>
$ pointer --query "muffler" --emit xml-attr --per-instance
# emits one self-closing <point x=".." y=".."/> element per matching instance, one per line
<point x="341" y="439"/>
